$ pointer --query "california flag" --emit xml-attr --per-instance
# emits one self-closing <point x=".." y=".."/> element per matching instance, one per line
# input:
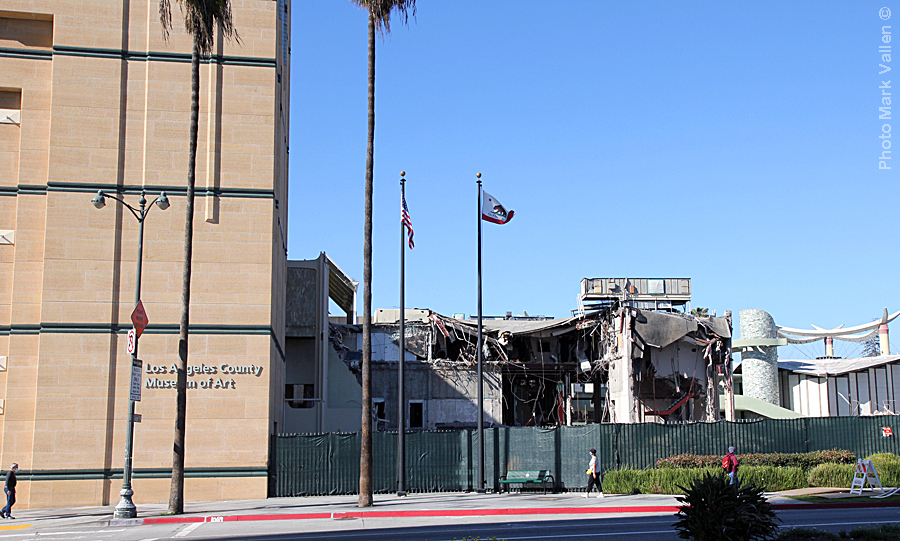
<point x="493" y="211"/>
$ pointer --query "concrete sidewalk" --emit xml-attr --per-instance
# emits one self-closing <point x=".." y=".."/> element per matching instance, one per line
<point x="448" y="504"/>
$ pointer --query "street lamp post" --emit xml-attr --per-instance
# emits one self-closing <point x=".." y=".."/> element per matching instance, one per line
<point x="126" y="507"/>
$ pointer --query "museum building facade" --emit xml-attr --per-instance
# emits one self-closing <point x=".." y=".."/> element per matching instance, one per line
<point x="93" y="99"/>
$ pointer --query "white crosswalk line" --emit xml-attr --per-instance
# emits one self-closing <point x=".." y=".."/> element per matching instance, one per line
<point x="190" y="528"/>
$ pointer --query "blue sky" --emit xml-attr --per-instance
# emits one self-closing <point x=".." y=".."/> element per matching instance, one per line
<point x="732" y="143"/>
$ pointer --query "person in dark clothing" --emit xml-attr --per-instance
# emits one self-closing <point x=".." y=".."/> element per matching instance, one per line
<point x="10" y="489"/>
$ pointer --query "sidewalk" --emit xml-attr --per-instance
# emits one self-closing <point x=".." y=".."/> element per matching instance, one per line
<point x="448" y="504"/>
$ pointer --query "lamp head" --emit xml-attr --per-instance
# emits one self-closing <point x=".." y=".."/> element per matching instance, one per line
<point x="99" y="201"/>
<point x="162" y="201"/>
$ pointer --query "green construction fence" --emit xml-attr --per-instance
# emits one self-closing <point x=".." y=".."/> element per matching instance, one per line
<point x="447" y="460"/>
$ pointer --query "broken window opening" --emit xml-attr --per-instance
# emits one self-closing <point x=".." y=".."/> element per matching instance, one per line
<point x="416" y="414"/>
<point x="295" y="392"/>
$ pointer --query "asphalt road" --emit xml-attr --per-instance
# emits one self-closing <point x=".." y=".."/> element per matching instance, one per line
<point x="625" y="528"/>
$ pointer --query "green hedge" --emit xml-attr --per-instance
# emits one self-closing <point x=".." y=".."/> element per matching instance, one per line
<point x="841" y="475"/>
<point x="804" y="461"/>
<point x="667" y="480"/>
<point x="831" y="475"/>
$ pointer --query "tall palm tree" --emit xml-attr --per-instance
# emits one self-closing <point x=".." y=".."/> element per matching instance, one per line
<point x="379" y="21"/>
<point x="201" y="19"/>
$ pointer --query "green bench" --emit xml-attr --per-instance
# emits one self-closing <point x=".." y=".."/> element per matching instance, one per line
<point x="527" y="477"/>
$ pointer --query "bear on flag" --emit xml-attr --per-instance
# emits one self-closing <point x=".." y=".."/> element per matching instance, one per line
<point x="492" y="211"/>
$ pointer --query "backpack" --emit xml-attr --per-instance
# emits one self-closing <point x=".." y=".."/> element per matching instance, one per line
<point x="729" y="462"/>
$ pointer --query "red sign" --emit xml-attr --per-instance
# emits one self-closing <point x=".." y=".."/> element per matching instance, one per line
<point x="139" y="318"/>
<point x="886" y="431"/>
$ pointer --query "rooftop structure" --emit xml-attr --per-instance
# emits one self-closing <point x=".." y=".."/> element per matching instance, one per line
<point x="666" y="294"/>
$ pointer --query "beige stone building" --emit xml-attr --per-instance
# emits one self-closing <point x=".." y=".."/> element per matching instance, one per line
<point x="93" y="98"/>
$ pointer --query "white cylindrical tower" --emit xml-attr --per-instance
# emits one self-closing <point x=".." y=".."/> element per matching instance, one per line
<point x="884" y="343"/>
<point x="759" y="365"/>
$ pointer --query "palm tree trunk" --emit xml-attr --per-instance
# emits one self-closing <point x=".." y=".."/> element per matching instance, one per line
<point x="365" y="451"/>
<point x="176" y="491"/>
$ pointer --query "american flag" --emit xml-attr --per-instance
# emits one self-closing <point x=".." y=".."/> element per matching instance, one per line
<point x="404" y="219"/>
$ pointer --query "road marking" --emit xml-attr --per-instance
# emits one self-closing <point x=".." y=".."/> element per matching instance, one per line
<point x="47" y="534"/>
<point x="592" y="534"/>
<point x="841" y="523"/>
<point x="190" y="528"/>
<point x="16" y="527"/>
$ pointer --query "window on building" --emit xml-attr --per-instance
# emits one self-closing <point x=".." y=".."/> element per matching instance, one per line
<point x="416" y="414"/>
<point x="294" y="393"/>
<point x="378" y="417"/>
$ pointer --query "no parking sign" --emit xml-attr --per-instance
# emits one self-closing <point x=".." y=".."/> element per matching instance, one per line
<point x="131" y="342"/>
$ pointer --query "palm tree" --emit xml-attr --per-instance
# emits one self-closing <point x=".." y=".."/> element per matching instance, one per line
<point x="380" y="21"/>
<point x="201" y="19"/>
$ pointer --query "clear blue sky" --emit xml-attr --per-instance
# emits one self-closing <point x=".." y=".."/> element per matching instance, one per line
<point x="732" y="143"/>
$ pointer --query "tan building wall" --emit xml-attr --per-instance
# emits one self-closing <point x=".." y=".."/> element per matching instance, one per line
<point x="93" y="98"/>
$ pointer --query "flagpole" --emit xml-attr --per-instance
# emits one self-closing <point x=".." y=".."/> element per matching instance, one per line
<point x="480" y="488"/>
<point x="401" y="401"/>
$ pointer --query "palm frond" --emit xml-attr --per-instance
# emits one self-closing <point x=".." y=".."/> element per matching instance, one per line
<point x="381" y="10"/>
<point x="201" y="18"/>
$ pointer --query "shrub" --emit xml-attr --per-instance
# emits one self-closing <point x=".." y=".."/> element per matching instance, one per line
<point x="804" y="461"/>
<point x="885" y="532"/>
<point x="663" y="481"/>
<point x="773" y="479"/>
<point x="668" y="480"/>
<point x="888" y="467"/>
<point x="841" y="475"/>
<point x="831" y="475"/>
<point x="690" y="460"/>
<point x="714" y="510"/>
<point x="805" y="534"/>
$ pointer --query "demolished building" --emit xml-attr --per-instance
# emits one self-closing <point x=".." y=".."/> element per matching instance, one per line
<point x="615" y="360"/>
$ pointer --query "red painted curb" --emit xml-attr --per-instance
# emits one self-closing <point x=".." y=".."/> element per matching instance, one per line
<point x="485" y="512"/>
<point x="417" y="513"/>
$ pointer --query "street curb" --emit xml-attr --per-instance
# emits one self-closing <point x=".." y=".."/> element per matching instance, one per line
<point x="519" y="511"/>
<point x="398" y="514"/>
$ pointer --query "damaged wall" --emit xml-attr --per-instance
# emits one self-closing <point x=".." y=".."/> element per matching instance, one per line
<point x="448" y="395"/>
<point x="666" y="366"/>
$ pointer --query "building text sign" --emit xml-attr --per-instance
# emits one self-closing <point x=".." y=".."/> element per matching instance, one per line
<point x="216" y="377"/>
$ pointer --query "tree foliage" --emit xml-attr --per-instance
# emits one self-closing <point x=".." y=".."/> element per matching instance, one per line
<point x="201" y="17"/>
<point x="381" y="12"/>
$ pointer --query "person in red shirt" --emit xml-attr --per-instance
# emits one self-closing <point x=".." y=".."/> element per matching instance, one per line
<point x="730" y="465"/>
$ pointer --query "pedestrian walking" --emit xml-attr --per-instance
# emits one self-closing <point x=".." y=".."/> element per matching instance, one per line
<point x="593" y="472"/>
<point x="10" y="489"/>
<point x="730" y="465"/>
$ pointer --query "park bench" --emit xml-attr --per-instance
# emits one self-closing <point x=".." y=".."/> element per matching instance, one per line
<point x="527" y="477"/>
